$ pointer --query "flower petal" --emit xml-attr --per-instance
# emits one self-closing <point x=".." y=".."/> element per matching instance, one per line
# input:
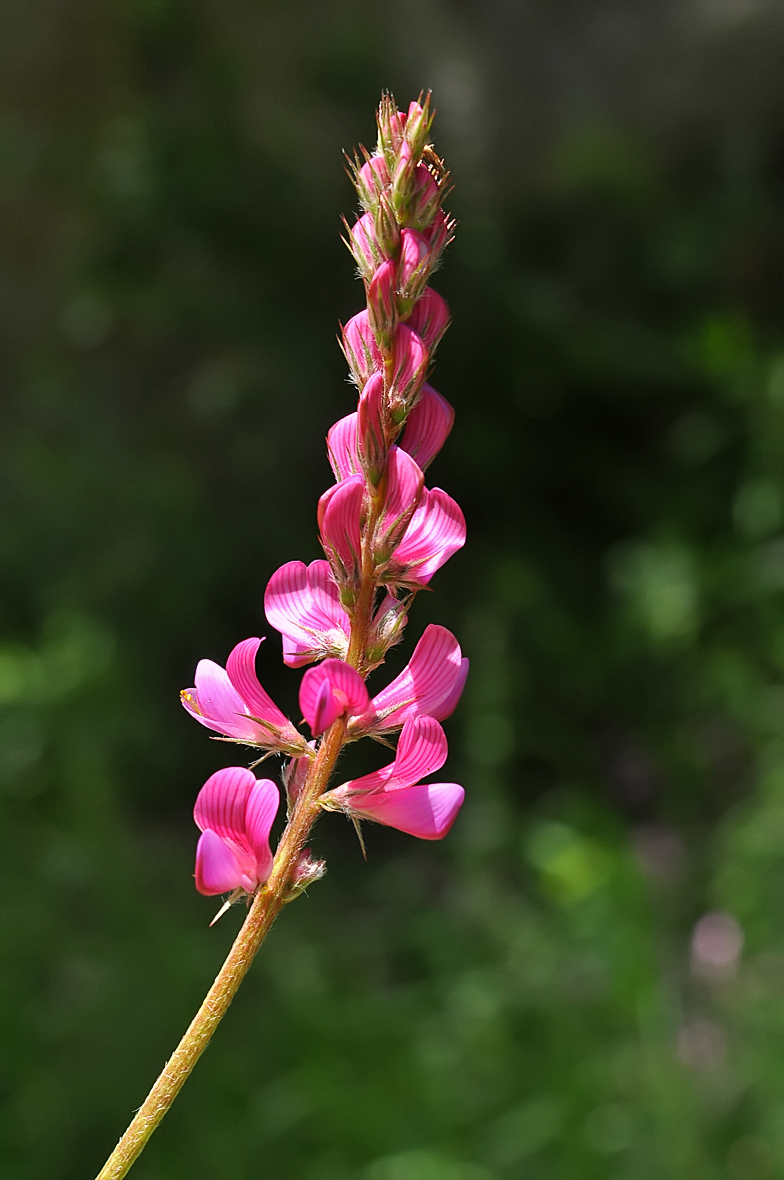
<point x="430" y="683"/>
<point x="262" y="807"/>
<point x="427" y="426"/>
<point x="221" y="803"/>
<point x="217" y="867"/>
<point x="342" y="447"/>
<point x="436" y="531"/>
<point x="422" y="749"/>
<point x="241" y="669"/>
<point x="426" y="810"/>
<point x="340" y="510"/>
<point x="302" y="603"/>
<point x="216" y="704"/>
<point x="405" y="482"/>
<point x="329" y="690"/>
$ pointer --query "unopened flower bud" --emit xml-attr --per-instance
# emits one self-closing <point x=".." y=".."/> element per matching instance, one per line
<point x="413" y="268"/>
<point x="360" y="348"/>
<point x="293" y="776"/>
<point x="387" y="629"/>
<point x="363" y="244"/>
<point x="305" y="872"/>
<point x="402" y="181"/>
<point x="424" y="198"/>
<point x="391" y="124"/>
<point x="409" y="366"/>
<point x="382" y="304"/>
<point x="439" y="234"/>
<point x="371" y="180"/>
<point x="430" y="318"/>
<point x="371" y="438"/>
<point x="418" y="123"/>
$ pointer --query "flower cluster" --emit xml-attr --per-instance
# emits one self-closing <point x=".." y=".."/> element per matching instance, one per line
<point x="384" y="535"/>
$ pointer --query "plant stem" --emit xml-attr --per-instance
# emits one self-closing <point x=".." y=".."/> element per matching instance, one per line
<point x="267" y="904"/>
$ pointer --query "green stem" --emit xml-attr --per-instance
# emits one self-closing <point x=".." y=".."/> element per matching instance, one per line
<point x="267" y="904"/>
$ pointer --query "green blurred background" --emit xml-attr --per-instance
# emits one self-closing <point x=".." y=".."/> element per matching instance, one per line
<point x="587" y="978"/>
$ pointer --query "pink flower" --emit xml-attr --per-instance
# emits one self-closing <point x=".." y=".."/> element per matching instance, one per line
<point x="414" y="263"/>
<point x="342" y="448"/>
<point x="427" y="426"/>
<point x="404" y="486"/>
<point x="436" y="531"/>
<point x="371" y="181"/>
<point x="232" y="702"/>
<point x="410" y="359"/>
<point x="303" y="603"/>
<point x="430" y="318"/>
<point x="371" y="436"/>
<point x="339" y="518"/>
<point x="382" y="302"/>
<point x="360" y="348"/>
<point x="395" y="797"/>
<point x="431" y="684"/>
<point x="331" y="690"/>
<point x="235" y="812"/>
<point x="365" y="247"/>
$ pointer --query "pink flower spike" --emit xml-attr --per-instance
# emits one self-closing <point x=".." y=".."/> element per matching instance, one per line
<point x="430" y="684"/>
<point x="329" y="691"/>
<point x="360" y="348"/>
<point x="303" y="603"/>
<point x="427" y="426"/>
<point x="342" y="447"/>
<point x="430" y="318"/>
<point x="339" y="516"/>
<point x="436" y="531"/>
<point x="393" y="796"/>
<point x="235" y="813"/>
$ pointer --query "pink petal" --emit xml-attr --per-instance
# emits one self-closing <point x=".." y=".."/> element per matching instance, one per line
<point x="340" y="510"/>
<point x="216" y="704"/>
<point x="409" y="363"/>
<point x="430" y="682"/>
<point x="302" y="603"/>
<point x="437" y="530"/>
<point x="371" y="437"/>
<point x="427" y="426"/>
<point x="329" y="690"/>
<point x="449" y="704"/>
<point x="426" y="810"/>
<point x="413" y="259"/>
<point x="342" y="447"/>
<point x="405" y="482"/>
<point x="430" y="318"/>
<point x="359" y="345"/>
<point x="241" y="668"/>
<point x="422" y="749"/>
<point x="221" y="803"/>
<point x="260" y="812"/>
<point x="217" y="868"/>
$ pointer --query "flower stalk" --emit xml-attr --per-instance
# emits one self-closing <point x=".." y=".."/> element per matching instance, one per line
<point x="384" y="535"/>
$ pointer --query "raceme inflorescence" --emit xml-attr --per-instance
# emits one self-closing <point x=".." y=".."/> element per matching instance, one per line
<point x="384" y="536"/>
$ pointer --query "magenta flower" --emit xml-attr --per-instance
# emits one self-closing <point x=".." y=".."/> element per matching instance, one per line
<point x="339" y="519"/>
<point x="404" y="489"/>
<point x="436" y="531"/>
<point x="331" y="690"/>
<point x="235" y="812"/>
<point x="430" y="318"/>
<point x="342" y="445"/>
<point x="232" y="702"/>
<point x="409" y="364"/>
<point x="431" y="683"/>
<point x="360" y="348"/>
<point x="303" y="603"/>
<point x="394" y="796"/>
<point x="427" y="426"/>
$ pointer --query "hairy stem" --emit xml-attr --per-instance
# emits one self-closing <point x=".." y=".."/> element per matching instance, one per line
<point x="266" y="905"/>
